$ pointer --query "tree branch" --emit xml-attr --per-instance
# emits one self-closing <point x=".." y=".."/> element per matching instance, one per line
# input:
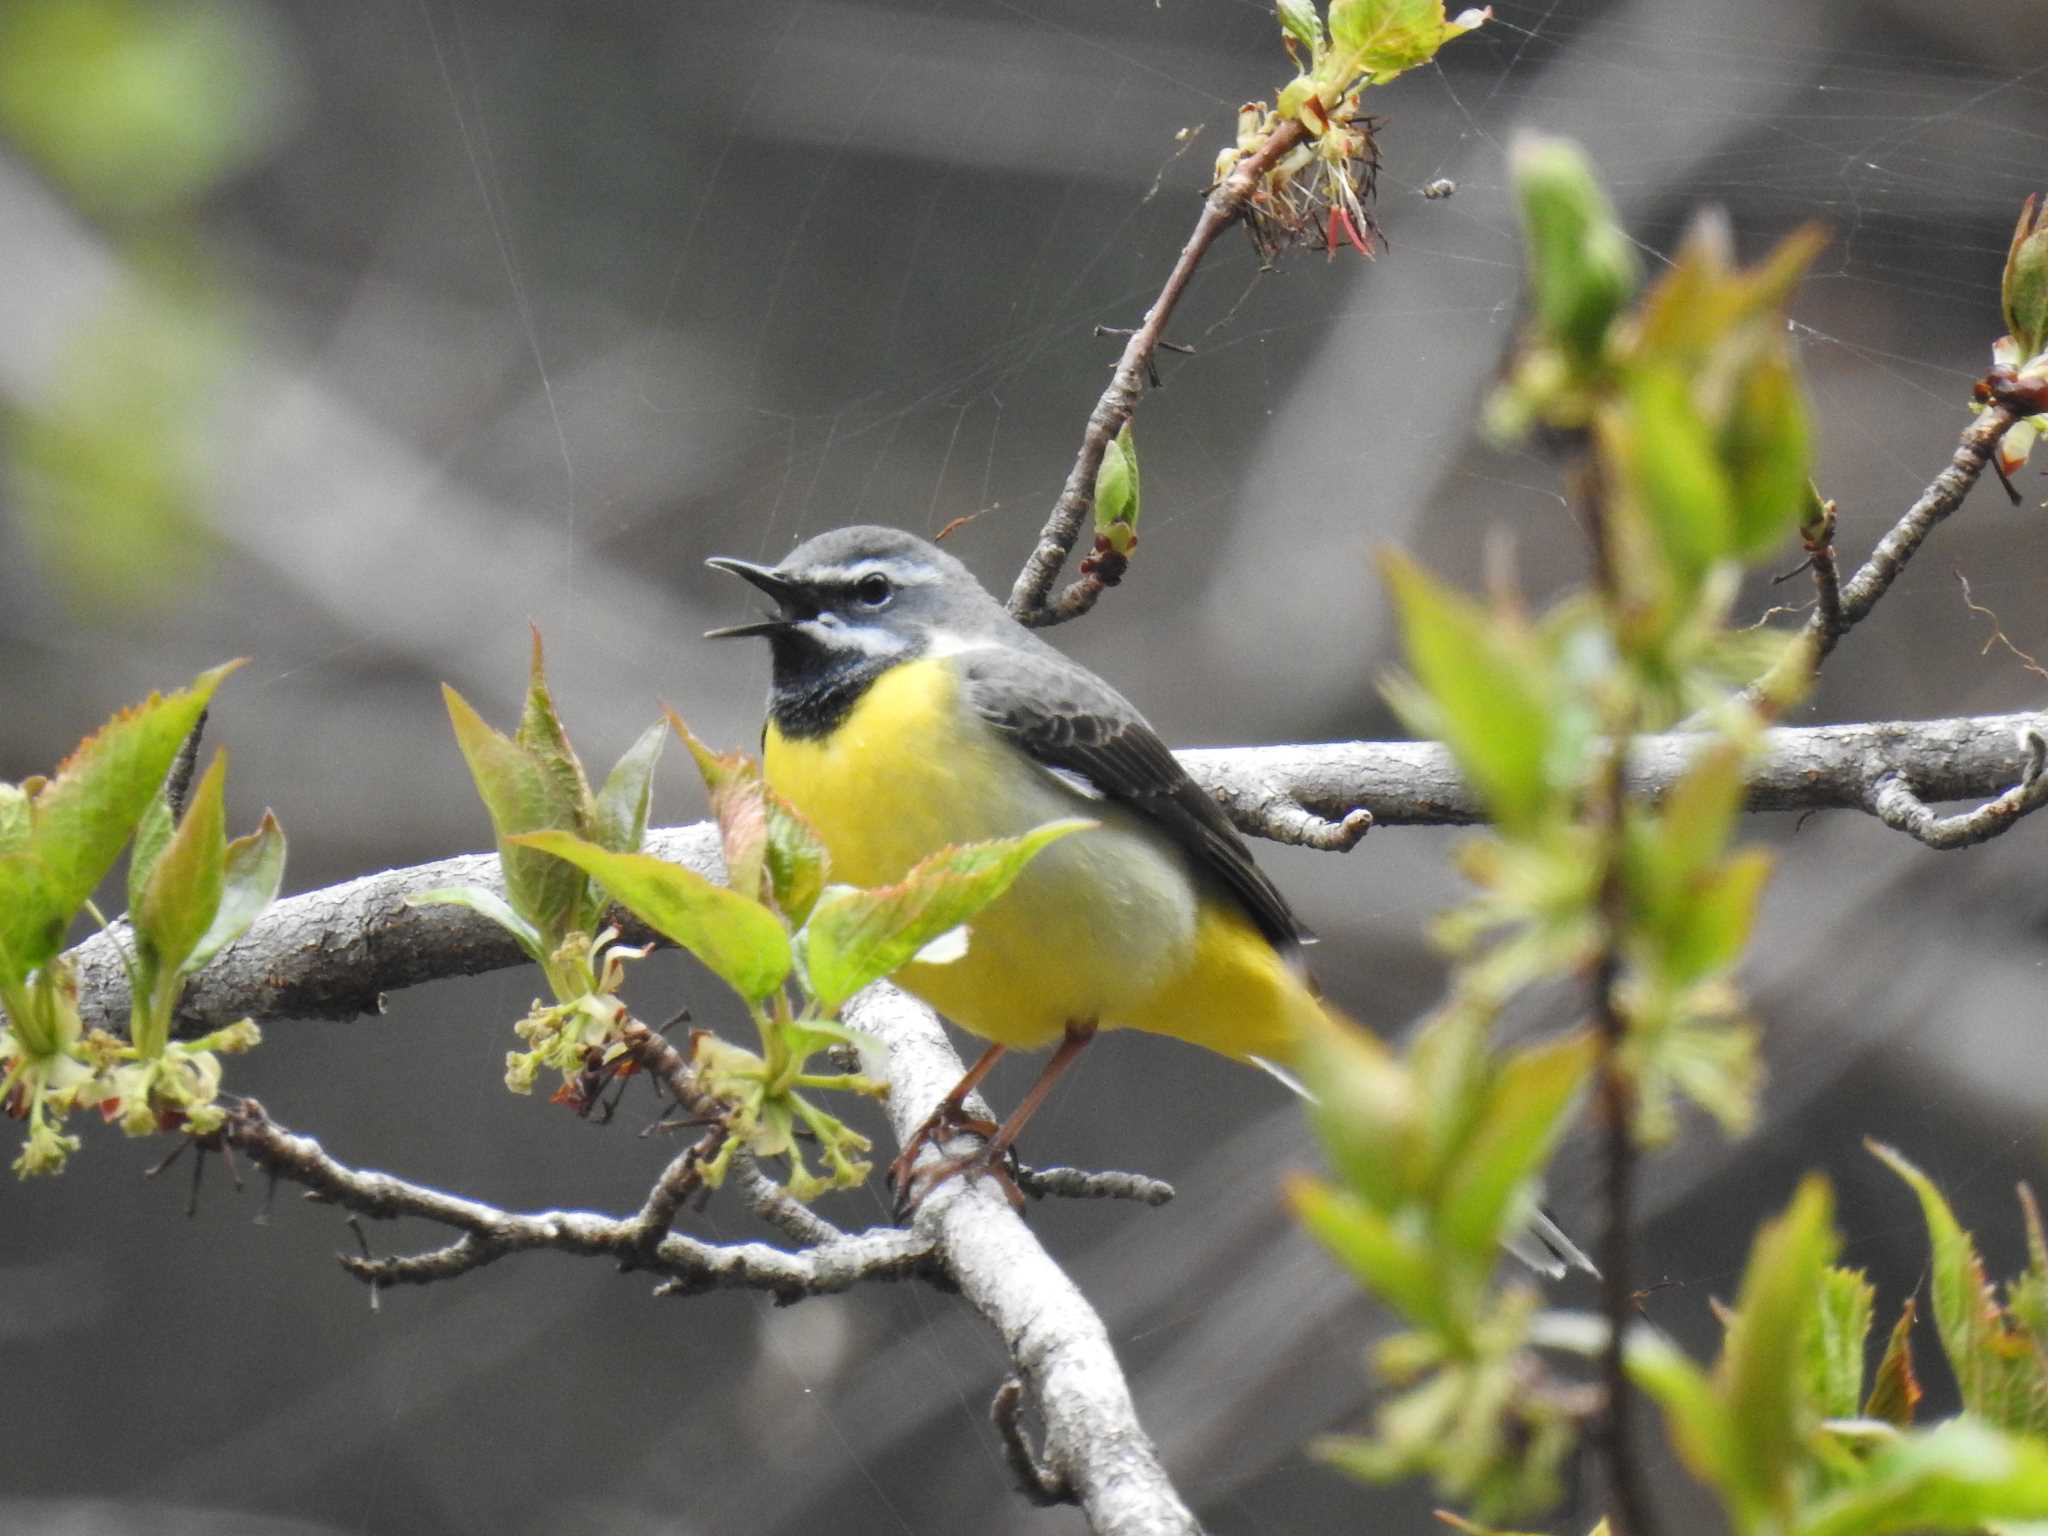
<point x="1836" y="613"/>
<point x="1093" y="1442"/>
<point x="1120" y="400"/>
<point x="640" y="1241"/>
<point x="333" y="953"/>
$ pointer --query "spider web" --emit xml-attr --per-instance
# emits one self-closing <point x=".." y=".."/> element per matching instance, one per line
<point x="565" y="300"/>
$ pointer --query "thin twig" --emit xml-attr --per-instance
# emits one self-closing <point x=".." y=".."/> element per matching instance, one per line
<point x="1894" y="802"/>
<point x="488" y="1233"/>
<point x="1070" y="513"/>
<point x="1086" y="1184"/>
<point x="1035" y="1480"/>
<point x="1829" y="623"/>
<point x="1628" y="1508"/>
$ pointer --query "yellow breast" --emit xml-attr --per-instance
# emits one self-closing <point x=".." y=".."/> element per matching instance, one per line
<point x="1109" y="926"/>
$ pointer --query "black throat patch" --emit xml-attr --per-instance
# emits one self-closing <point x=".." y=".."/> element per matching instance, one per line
<point x="816" y="689"/>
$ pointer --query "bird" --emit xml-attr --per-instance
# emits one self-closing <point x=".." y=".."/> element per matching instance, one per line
<point x="908" y="711"/>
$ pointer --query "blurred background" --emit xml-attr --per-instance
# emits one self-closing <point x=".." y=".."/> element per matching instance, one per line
<point x="352" y="338"/>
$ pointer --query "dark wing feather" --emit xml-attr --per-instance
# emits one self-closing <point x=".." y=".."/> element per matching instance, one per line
<point x="1069" y="719"/>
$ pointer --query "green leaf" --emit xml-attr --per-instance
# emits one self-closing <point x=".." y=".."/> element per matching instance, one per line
<point x="1386" y="37"/>
<point x="540" y="732"/>
<point x="1702" y="1428"/>
<point x="1394" y="1264"/>
<point x="1896" y="1391"/>
<point x="255" y="870"/>
<point x="739" y="804"/>
<point x="1999" y="1370"/>
<point x="1582" y="269"/>
<point x="152" y="833"/>
<point x="1116" y="491"/>
<point x="1368" y="1111"/>
<point x="1666" y="455"/>
<point x="2023" y="291"/>
<point x="1299" y="20"/>
<point x="1524" y="1114"/>
<point x="491" y="905"/>
<point x="1714" y="918"/>
<point x="15" y="819"/>
<point x="83" y="816"/>
<point x="798" y="864"/>
<point x="741" y="941"/>
<point x="1759" y="1370"/>
<point x="1957" y="1476"/>
<point x="620" y="820"/>
<point x="184" y="887"/>
<point x="1833" y="1356"/>
<point x="854" y="937"/>
<point x="1485" y="690"/>
<point x="1765" y="446"/>
<point x="522" y="795"/>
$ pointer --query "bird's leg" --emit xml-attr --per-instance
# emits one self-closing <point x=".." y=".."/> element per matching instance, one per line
<point x="948" y="1120"/>
<point x="989" y="1158"/>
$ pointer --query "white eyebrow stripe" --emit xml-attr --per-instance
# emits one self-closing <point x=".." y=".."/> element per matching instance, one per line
<point x="950" y="642"/>
<point x="869" y="639"/>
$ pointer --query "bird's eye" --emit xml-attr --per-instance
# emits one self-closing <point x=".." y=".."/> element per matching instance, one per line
<point x="874" y="590"/>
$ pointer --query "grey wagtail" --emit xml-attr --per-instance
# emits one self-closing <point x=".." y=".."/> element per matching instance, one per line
<point x="909" y="711"/>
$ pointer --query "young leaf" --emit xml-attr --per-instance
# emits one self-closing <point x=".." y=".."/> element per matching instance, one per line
<point x="1999" y="1370"/>
<point x="540" y="732"/>
<point x="255" y="870"/>
<point x="854" y="936"/>
<point x="1714" y="918"/>
<point x="798" y="864"/>
<point x="183" y="891"/>
<point x="1523" y="1116"/>
<point x="1833" y="1355"/>
<point x="739" y="804"/>
<point x="1764" y="446"/>
<point x="1370" y="1112"/>
<point x="620" y="819"/>
<point x="1486" y="692"/>
<point x="1581" y="267"/>
<point x="1960" y="1476"/>
<point x="1393" y="1263"/>
<point x="740" y="940"/>
<point x="1759" y="1368"/>
<point x="1116" y="492"/>
<point x="83" y="816"/>
<point x="522" y="795"/>
<point x="15" y="819"/>
<point x="1666" y="454"/>
<point x="1299" y="20"/>
<point x="1896" y="1391"/>
<point x="1386" y="37"/>
<point x="491" y="905"/>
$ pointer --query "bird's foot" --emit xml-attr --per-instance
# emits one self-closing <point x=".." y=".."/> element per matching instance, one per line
<point x="998" y="1163"/>
<point x="913" y="1183"/>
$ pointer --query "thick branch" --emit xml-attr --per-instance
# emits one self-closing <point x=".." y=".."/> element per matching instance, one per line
<point x="1120" y="400"/>
<point x="1094" y="1446"/>
<point x="1802" y="768"/>
<point x="332" y="953"/>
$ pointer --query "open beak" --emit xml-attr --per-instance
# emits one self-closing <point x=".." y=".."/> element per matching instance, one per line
<point x="788" y="596"/>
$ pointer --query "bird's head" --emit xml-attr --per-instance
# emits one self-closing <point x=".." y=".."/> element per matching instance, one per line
<point x="866" y="597"/>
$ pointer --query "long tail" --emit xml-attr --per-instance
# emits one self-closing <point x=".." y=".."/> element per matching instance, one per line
<point x="1543" y="1245"/>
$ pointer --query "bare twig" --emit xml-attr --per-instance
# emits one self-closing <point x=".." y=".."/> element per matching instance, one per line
<point x="1035" y="1480"/>
<point x="1829" y="622"/>
<point x="640" y="1241"/>
<point x="1086" y="1184"/>
<point x="1894" y="802"/>
<point x="1998" y="634"/>
<point x="1222" y="207"/>
<point x="1628" y="1508"/>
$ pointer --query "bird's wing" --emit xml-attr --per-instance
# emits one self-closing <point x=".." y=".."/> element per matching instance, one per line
<point x="1076" y="726"/>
